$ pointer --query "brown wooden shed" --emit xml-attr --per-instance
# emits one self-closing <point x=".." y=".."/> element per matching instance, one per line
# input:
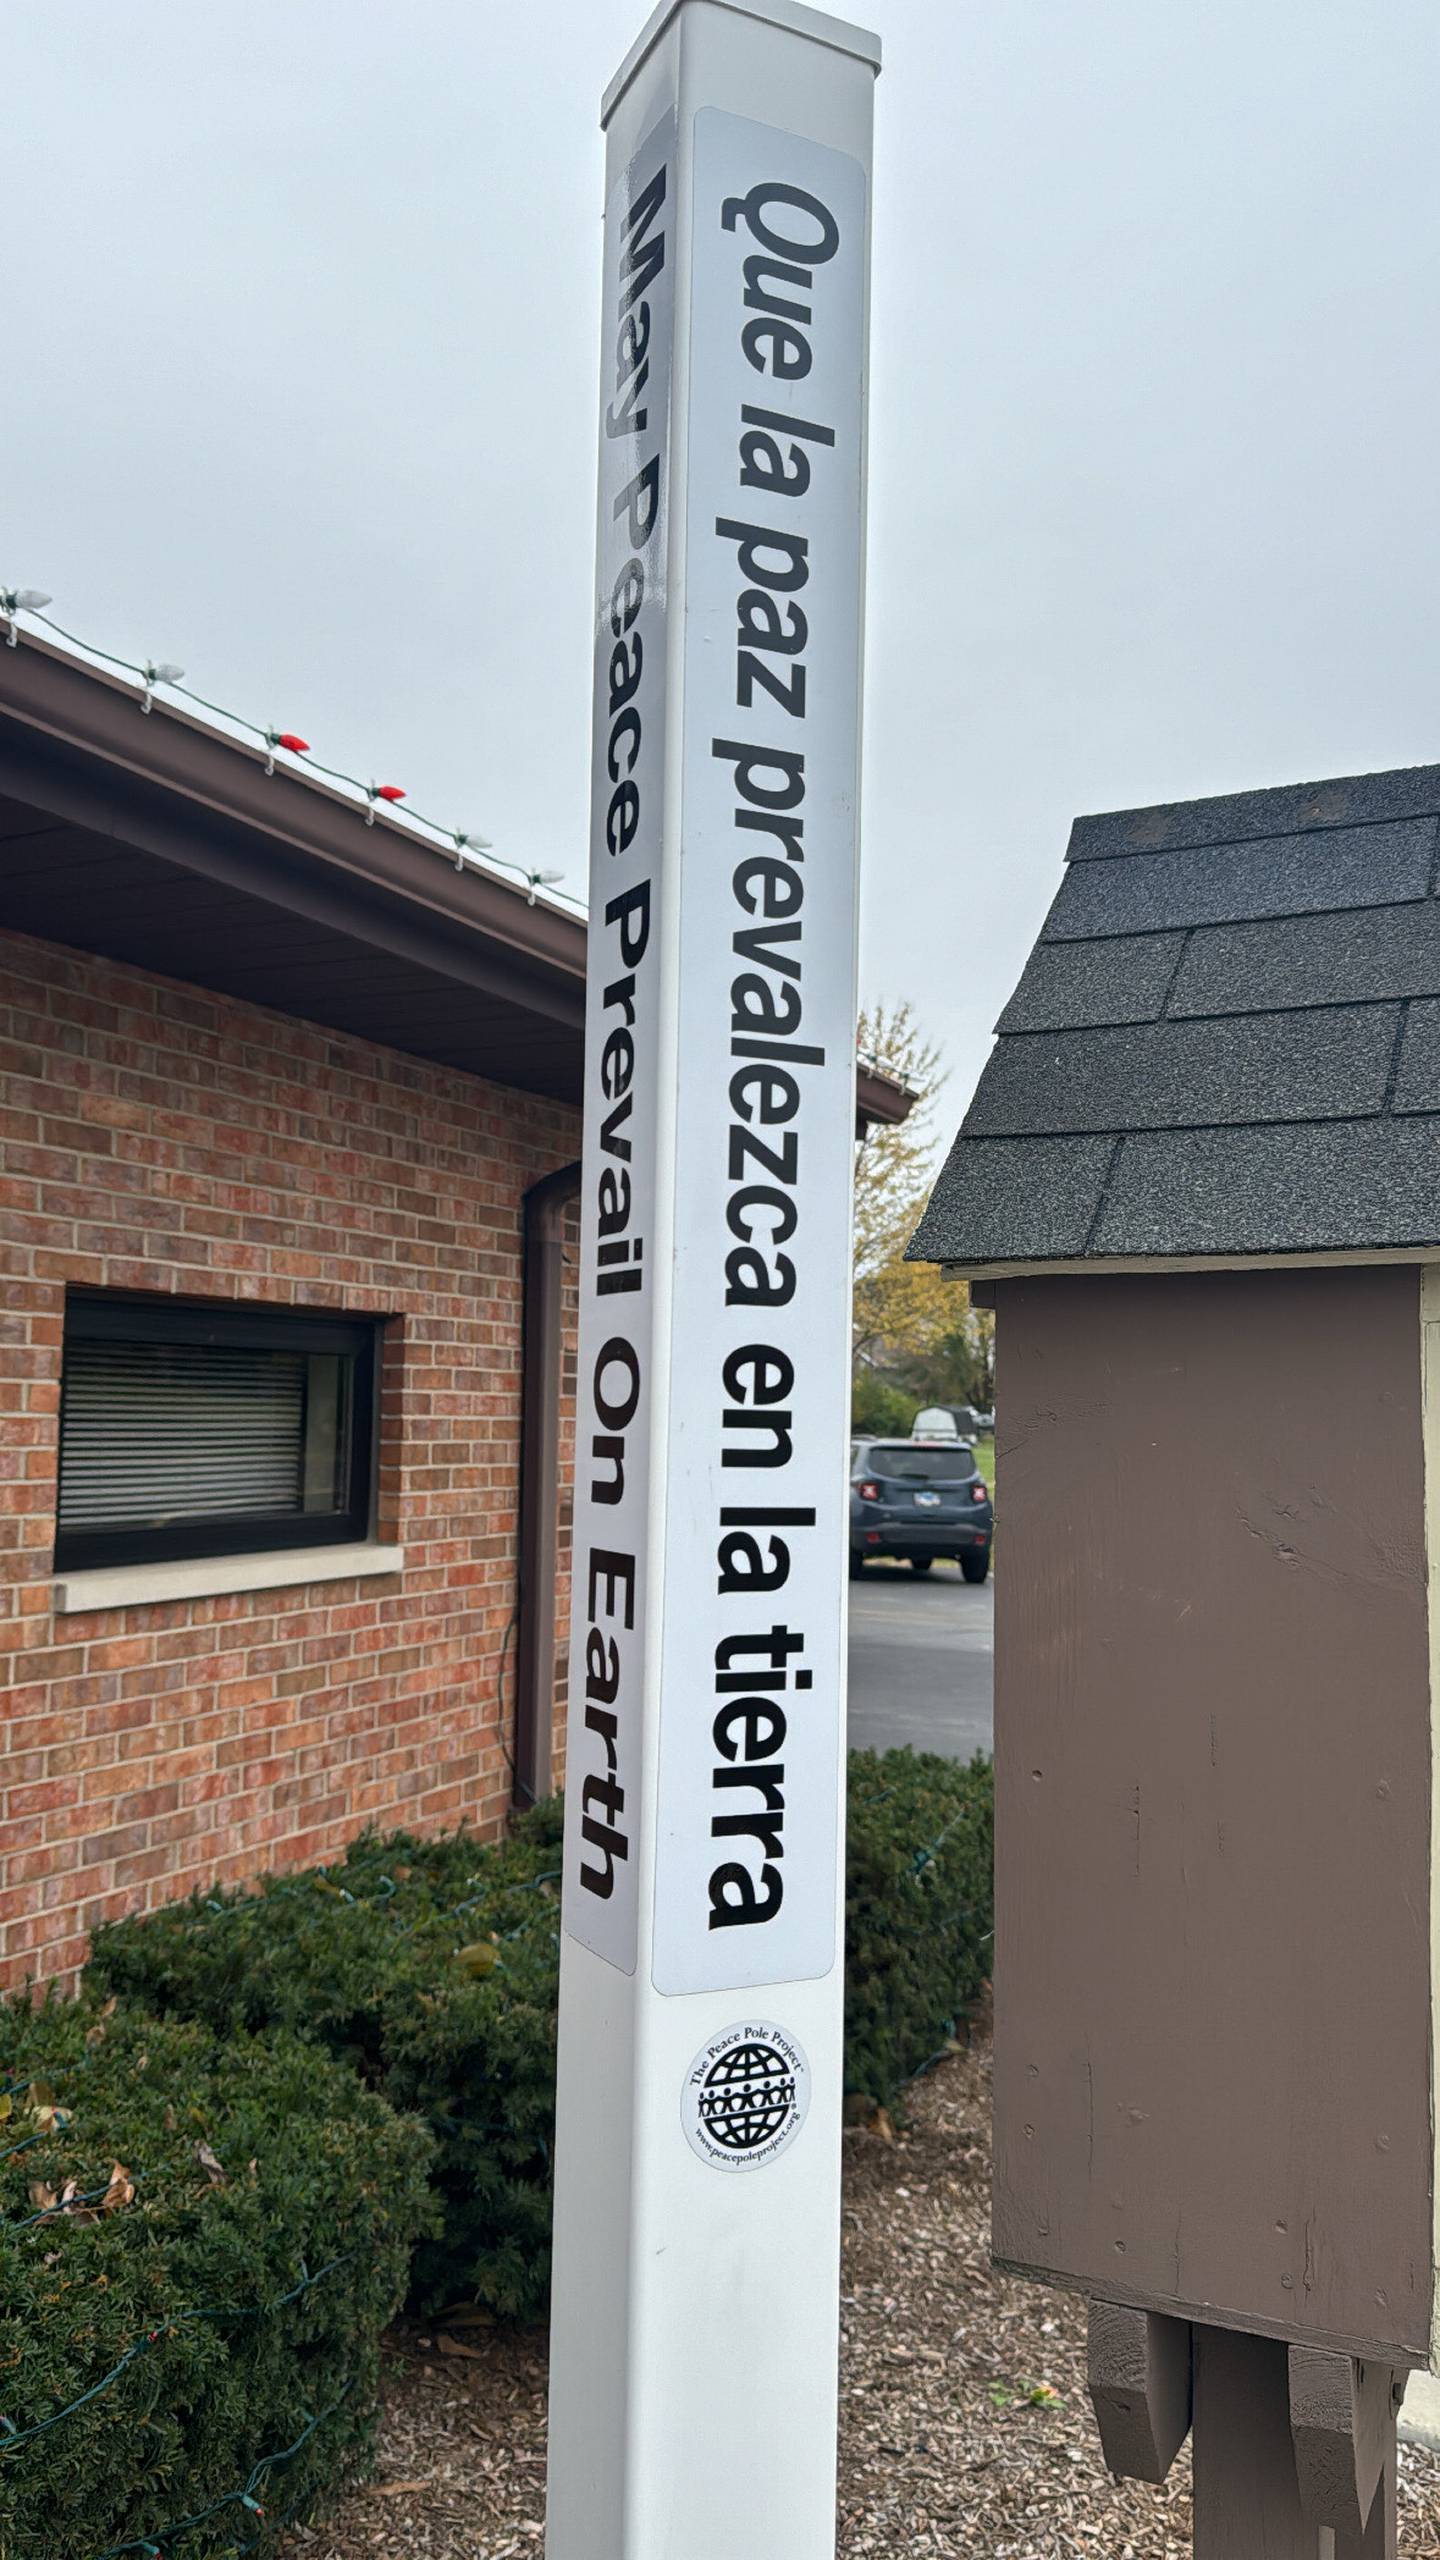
<point x="1200" y="1182"/>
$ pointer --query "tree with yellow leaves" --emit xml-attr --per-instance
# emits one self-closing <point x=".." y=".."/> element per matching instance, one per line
<point x="908" y="1321"/>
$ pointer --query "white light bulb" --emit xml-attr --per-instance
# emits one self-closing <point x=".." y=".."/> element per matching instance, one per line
<point x="165" y="672"/>
<point x="15" y="600"/>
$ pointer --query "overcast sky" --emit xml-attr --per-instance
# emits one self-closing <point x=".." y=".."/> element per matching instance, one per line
<point x="298" y="371"/>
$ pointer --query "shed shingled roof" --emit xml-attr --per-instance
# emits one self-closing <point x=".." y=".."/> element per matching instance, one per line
<point x="1226" y="1040"/>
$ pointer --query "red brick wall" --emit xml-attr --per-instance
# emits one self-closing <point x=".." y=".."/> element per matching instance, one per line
<point x="153" y="1137"/>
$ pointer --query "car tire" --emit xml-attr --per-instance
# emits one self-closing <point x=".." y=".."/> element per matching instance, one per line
<point x="974" y="1567"/>
<point x="921" y="1564"/>
<point x="857" y="1566"/>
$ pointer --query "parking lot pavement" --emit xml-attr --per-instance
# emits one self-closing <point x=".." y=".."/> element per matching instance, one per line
<point x="921" y="1657"/>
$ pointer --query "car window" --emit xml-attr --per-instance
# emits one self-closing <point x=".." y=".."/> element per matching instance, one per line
<point x="901" y="1459"/>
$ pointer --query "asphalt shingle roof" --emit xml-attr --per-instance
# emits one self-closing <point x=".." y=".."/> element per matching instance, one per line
<point x="1226" y="1040"/>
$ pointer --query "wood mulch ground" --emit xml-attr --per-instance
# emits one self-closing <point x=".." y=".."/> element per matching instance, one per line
<point x="964" y="2421"/>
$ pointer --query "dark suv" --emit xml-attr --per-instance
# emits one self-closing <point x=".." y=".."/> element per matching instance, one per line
<point x="921" y="1499"/>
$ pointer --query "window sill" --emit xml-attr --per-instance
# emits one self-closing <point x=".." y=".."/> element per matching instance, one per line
<point x="137" y="1586"/>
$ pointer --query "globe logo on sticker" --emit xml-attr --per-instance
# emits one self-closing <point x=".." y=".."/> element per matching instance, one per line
<point x="746" y="2096"/>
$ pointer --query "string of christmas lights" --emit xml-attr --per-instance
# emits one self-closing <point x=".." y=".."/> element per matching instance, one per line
<point x="56" y="2212"/>
<point x="464" y="848"/>
<point x="456" y="843"/>
<point x="14" y="2436"/>
<point x="241" y="2497"/>
<point x="386" y="1892"/>
<point x="17" y="2147"/>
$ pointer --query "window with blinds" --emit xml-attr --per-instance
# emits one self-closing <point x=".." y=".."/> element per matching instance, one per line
<point x="190" y="1431"/>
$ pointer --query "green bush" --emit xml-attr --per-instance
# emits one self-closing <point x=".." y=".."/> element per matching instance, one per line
<point x="880" y="1410"/>
<point x="919" y="1910"/>
<point x="202" y="2245"/>
<point x="431" y="1967"/>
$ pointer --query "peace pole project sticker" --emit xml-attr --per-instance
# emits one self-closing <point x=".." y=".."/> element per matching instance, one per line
<point x="745" y="2097"/>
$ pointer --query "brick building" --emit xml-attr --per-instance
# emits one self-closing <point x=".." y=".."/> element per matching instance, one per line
<point x="288" y="1137"/>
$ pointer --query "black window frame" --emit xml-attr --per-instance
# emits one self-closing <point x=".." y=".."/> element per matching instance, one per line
<point x="112" y="1317"/>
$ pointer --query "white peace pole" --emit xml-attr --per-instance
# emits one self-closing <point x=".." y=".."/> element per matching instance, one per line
<point x="694" y="2337"/>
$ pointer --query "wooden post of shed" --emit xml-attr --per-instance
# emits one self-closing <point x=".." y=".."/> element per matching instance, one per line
<point x="1200" y="1184"/>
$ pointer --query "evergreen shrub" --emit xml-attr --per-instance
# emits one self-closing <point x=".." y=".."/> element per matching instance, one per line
<point x="200" y="2244"/>
<point x="919" y="1910"/>
<point x="431" y="1967"/>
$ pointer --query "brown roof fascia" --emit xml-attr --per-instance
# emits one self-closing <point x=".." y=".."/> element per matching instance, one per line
<point x="97" y="714"/>
<point x="879" y="1098"/>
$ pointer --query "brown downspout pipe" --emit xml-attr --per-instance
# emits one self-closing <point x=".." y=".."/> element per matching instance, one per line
<point x="542" y="1359"/>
